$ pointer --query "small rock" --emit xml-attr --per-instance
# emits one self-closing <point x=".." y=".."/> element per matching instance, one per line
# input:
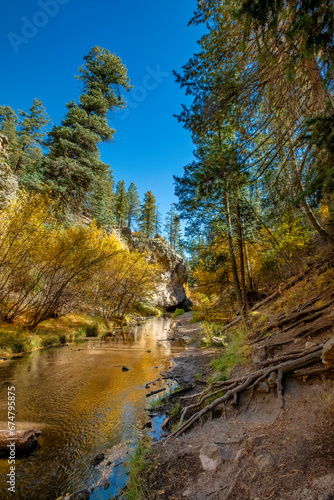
<point x="148" y="351"/>
<point x="217" y="340"/>
<point x="264" y="461"/>
<point x="106" y="485"/>
<point x="80" y="495"/>
<point x="187" y="493"/>
<point x="272" y="379"/>
<point x="98" y="459"/>
<point x="263" y="387"/>
<point x="125" y="369"/>
<point x="204" y="340"/>
<point x="328" y="352"/>
<point x="210" y="456"/>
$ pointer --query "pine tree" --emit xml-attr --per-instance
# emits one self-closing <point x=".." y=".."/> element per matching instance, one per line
<point x="121" y="205"/>
<point x="31" y="135"/>
<point x="73" y="165"/>
<point x="102" y="201"/>
<point x="133" y="205"/>
<point x="148" y="215"/>
<point x="173" y="228"/>
<point x="158" y="223"/>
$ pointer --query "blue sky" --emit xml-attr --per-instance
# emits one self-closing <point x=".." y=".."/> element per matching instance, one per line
<point x="43" y="43"/>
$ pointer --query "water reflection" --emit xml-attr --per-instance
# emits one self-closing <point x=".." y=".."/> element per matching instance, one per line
<point x="84" y="403"/>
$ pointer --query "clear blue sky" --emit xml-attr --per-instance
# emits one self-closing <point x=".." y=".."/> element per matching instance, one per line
<point x="43" y="42"/>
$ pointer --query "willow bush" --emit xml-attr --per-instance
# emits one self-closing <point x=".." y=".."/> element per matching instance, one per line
<point x="48" y="268"/>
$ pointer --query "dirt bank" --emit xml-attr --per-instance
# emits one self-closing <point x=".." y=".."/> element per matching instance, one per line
<point x="250" y="448"/>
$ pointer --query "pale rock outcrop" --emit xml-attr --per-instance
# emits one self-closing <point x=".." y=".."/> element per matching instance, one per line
<point x="170" y="293"/>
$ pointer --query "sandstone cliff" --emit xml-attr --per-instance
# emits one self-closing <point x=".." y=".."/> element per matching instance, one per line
<point x="171" y="293"/>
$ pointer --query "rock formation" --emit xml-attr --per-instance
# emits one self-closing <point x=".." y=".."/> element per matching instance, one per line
<point x="8" y="182"/>
<point x="171" y="293"/>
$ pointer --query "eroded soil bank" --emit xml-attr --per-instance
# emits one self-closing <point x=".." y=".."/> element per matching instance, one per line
<point x="255" y="449"/>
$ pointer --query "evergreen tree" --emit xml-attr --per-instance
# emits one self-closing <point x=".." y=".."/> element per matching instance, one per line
<point x="158" y="223"/>
<point x="73" y="165"/>
<point x="173" y="228"/>
<point x="148" y="215"/>
<point x="121" y="205"/>
<point x="102" y="201"/>
<point x="9" y="122"/>
<point x="133" y="205"/>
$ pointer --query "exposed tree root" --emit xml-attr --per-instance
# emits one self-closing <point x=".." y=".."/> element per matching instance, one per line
<point x="236" y="386"/>
<point x="291" y="355"/>
<point x="271" y="297"/>
<point x="298" y="315"/>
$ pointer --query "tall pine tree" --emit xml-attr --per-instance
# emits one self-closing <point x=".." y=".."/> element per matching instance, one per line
<point x="121" y="205"/>
<point x="148" y="215"/>
<point x="73" y="165"/>
<point x="133" y="205"/>
<point x="173" y="228"/>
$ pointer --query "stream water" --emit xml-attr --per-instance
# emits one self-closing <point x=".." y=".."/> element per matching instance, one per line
<point x="84" y="404"/>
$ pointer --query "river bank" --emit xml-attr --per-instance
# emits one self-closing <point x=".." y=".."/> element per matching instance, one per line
<point x="273" y="440"/>
<point x="85" y="404"/>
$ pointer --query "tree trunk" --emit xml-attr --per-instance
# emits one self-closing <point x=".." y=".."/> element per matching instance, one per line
<point x="232" y="251"/>
<point x="241" y="254"/>
<point x="248" y="267"/>
<point x="327" y="238"/>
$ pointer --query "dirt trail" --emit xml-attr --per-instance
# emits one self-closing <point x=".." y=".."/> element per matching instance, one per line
<point x="255" y="450"/>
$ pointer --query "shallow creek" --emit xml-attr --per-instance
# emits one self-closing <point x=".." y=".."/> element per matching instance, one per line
<point x="84" y="404"/>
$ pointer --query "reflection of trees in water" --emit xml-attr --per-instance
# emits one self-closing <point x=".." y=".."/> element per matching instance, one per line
<point x="148" y="335"/>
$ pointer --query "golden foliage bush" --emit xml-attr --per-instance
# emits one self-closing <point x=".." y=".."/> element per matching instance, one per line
<point x="48" y="268"/>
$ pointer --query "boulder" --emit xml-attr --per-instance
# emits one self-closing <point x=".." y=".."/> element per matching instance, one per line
<point x="328" y="353"/>
<point x="25" y="441"/>
<point x="263" y="387"/>
<point x="80" y="495"/>
<point x="98" y="459"/>
<point x="210" y="456"/>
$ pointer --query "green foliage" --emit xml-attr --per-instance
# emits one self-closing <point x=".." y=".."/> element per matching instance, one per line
<point x="236" y="352"/>
<point x="97" y="328"/>
<point x="121" y="204"/>
<point x="178" y="312"/>
<point x="146" y="309"/>
<point x="176" y="411"/>
<point x="133" y="205"/>
<point x="173" y="229"/>
<point x="158" y="402"/>
<point x="102" y="201"/>
<point x="148" y="215"/>
<point x="137" y="466"/>
<point x="73" y="166"/>
<point x="17" y="340"/>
